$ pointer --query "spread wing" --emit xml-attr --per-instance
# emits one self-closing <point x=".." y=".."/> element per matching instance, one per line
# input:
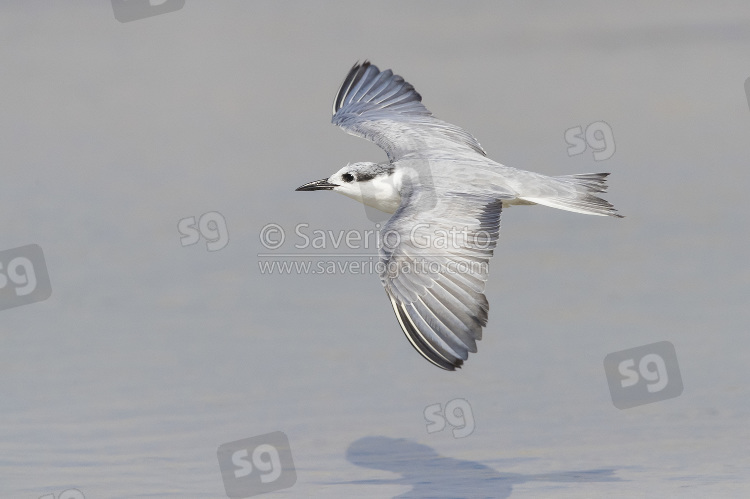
<point x="434" y="265"/>
<point x="385" y="109"/>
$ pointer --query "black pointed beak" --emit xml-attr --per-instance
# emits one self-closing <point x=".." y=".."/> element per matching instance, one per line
<point x="317" y="185"/>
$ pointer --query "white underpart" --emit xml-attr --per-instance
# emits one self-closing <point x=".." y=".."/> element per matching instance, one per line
<point x="382" y="192"/>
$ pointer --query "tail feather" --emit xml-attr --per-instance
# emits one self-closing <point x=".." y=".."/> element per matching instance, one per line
<point x="594" y="182"/>
<point x="575" y="195"/>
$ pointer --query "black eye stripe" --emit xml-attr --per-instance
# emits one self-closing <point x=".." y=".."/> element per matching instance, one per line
<point x="364" y="177"/>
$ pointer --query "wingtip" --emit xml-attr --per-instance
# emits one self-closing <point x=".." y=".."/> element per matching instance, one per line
<point x="351" y="78"/>
<point x="419" y="344"/>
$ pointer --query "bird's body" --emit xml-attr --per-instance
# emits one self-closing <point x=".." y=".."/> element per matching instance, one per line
<point x="438" y="180"/>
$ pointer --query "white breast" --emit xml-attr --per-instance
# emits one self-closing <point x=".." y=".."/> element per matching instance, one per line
<point x="380" y="193"/>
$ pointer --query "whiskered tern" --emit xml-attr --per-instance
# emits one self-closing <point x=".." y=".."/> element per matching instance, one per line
<point x="446" y="196"/>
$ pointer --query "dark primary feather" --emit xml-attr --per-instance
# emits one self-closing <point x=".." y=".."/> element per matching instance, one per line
<point x="366" y="88"/>
<point x="441" y="311"/>
<point x="387" y="110"/>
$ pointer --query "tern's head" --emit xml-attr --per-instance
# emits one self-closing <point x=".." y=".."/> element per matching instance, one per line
<point x="368" y="183"/>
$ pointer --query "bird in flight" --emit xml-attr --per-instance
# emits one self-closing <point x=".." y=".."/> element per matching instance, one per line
<point x="445" y="196"/>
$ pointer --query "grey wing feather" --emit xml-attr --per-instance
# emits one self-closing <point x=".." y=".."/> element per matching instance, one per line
<point x="387" y="110"/>
<point x="437" y="293"/>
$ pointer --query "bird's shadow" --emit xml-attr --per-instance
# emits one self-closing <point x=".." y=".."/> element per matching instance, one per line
<point x="432" y="475"/>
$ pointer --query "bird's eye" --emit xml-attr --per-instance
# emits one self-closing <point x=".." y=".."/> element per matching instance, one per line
<point x="347" y="177"/>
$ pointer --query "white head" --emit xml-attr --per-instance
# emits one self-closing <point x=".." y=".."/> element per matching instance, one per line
<point x="373" y="184"/>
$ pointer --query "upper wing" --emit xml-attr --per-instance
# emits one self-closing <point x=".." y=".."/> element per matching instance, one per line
<point x="434" y="266"/>
<point x="385" y="109"/>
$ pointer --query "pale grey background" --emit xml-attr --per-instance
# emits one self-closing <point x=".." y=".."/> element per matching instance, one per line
<point x="148" y="355"/>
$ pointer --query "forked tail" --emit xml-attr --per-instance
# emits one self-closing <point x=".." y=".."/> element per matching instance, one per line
<point x="575" y="193"/>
